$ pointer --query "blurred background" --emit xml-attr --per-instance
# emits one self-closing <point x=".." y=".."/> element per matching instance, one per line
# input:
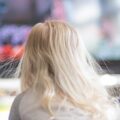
<point x="97" y="20"/>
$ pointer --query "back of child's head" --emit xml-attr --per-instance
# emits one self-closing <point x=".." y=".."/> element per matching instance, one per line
<point x="56" y="64"/>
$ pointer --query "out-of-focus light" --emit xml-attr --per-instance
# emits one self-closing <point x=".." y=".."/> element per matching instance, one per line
<point x="10" y="84"/>
<point x="117" y="3"/>
<point x="87" y="12"/>
<point x="108" y="80"/>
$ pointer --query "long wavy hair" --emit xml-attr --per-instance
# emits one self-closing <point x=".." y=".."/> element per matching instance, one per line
<point x="56" y="64"/>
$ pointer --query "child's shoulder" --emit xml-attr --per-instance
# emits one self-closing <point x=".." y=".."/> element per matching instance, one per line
<point x="14" y="112"/>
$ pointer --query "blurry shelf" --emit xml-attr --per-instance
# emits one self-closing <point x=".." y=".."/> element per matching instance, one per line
<point x="110" y="66"/>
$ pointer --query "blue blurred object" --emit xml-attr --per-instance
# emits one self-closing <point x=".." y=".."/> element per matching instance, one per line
<point x="3" y="9"/>
<point x="43" y="9"/>
<point x="13" y="34"/>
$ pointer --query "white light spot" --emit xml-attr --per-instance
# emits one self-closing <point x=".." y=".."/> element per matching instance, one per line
<point x="108" y="80"/>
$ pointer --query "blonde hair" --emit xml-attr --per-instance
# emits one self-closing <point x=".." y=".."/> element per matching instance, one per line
<point x="56" y="63"/>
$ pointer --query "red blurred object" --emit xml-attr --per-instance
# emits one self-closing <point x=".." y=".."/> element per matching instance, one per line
<point x="9" y="52"/>
<point x="5" y="52"/>
<point x="18" y="52"/>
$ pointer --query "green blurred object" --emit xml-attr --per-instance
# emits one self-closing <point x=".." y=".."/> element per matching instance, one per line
<point x="4" y="107"/>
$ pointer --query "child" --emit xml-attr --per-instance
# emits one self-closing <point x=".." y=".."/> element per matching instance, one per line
<point x="58" y="78"/>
